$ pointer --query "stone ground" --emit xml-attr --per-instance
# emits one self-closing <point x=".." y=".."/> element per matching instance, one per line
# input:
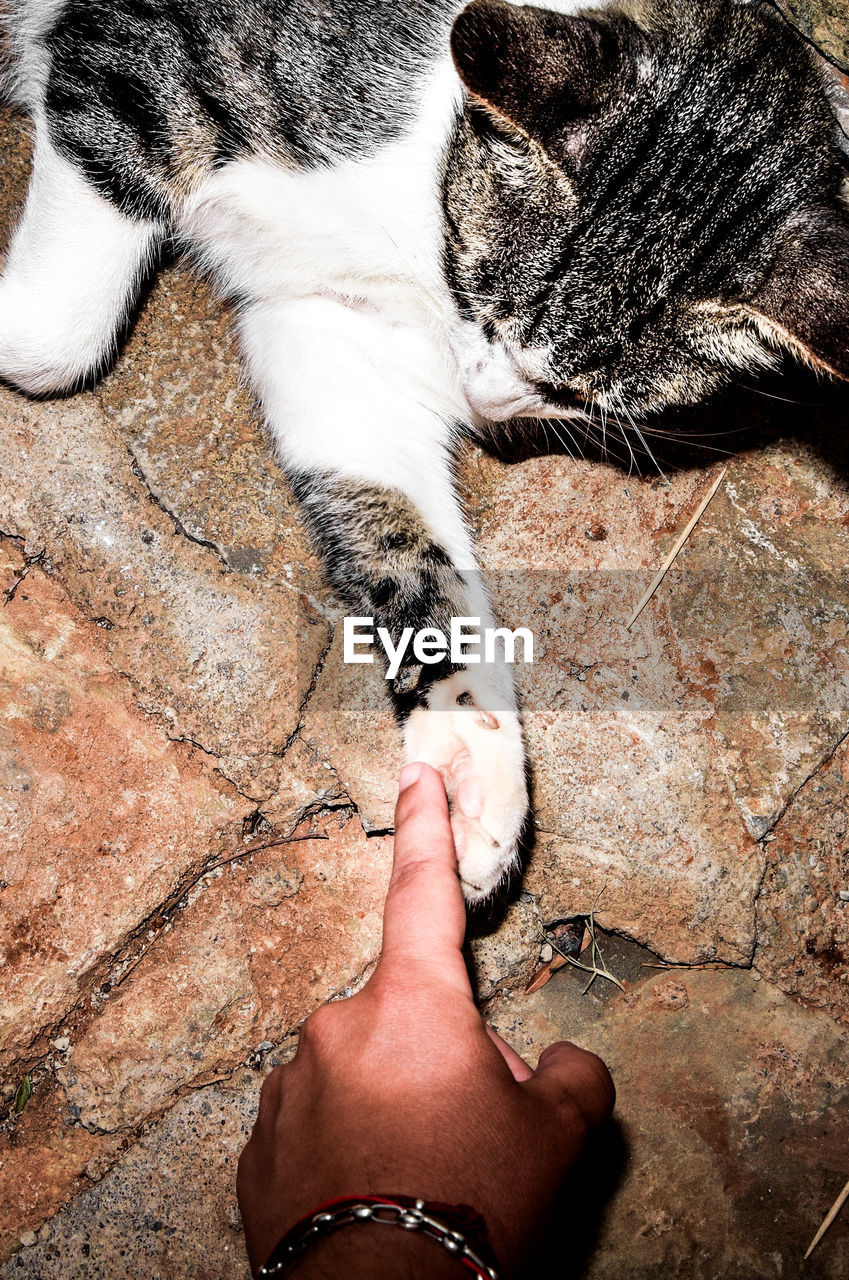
<point x="196" y="802"/>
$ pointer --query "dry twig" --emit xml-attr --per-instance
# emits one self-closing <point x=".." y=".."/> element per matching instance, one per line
<point x="677" y="548"/>
<point x="830" y="1216"/>
<point x="596" y="967"/>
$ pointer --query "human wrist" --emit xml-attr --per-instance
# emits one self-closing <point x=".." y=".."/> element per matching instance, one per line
<point x="457" y="1231"/>
<point x="369" y="1251"/>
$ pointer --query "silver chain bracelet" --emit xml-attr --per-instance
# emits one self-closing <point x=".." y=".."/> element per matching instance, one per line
<point x="413" y="1216"/>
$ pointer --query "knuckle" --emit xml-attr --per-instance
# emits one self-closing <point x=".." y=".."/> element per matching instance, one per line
<point x="269" y="1094"/>
<point x="599" y="1089"/>
<point x="408" y="875"/>
<point x="272" y="1084"/>
<point x="319" y="1028"/>
<point x="587" y="1092"/>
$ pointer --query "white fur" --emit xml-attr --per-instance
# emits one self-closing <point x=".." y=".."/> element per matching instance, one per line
<point x="482" y="744"/>
<point x="24" y="81"/>
<point x="70" y="275"/>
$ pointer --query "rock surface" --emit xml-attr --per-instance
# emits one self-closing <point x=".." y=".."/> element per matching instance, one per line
<point x="803" y="908"/>
<point x="103" y="814"/>
<point x="825" y="23"/>
<point x="732" y="1126"/>
<point x="728" y="1148"/>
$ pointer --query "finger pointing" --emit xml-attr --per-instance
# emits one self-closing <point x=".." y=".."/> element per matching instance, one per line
<point x="425" y="916"/>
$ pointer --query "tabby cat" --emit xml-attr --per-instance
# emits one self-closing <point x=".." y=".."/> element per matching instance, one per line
<point x="432" y="220"/>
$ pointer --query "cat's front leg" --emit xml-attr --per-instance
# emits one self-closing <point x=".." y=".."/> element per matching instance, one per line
<point x="71" y="274"/>
<point x="360" y="412"/>
<point x="392" y="562"/>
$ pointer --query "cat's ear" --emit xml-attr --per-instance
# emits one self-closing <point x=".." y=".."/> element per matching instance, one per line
<point x="533" y="68"/>
<point x="804" y="307"/>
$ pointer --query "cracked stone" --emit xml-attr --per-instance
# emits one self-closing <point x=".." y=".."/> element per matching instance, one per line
<point x="43" y="1161"/>
<point x="698" y="1180"/>
<point x="178" y="398"/>
<point x="260" y="947"/>
<point x="221" y="659"/>
<point x="307" y="785"/>
<point x="731" y="1126"/>
<point x="759" y="608"/>
<point x="825" y="22"/>
<point x="102" y="814"/>
<point x="131" y="1222"/>
<point x="348" y="720"/>
<point x="803" y="922"/>
<point x="632" y="809"/>
<point x="505" y="956"/>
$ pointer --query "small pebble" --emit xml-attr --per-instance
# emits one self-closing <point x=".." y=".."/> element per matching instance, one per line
<point x="546" y="953"/>
<point x="844" y="895"/>
<point x="63" y="1044"/>
<point x="28" y="1239"/>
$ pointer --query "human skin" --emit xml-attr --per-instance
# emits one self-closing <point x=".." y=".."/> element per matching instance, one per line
<point x="403" y="1089"/>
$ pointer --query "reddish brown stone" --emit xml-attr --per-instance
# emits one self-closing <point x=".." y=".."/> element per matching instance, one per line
<point x="803" y="909"/>
<point x="179" y="400"/>
<point x="43" y="1158"/>
<point x="16" y="150"/>
<point x="348" y="722"/>
<point x="826" y="23"/>
<point x="217" y="655"/>
<point x="258" y="947"/>
<point x="102" y="813"/>
<point x="730" y="1135"/>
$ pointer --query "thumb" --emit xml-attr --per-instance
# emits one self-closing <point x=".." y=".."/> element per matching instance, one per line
<point x="574" y="1083"/>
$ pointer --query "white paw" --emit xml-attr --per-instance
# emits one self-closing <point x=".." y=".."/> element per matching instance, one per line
<point x="481" y="757"/>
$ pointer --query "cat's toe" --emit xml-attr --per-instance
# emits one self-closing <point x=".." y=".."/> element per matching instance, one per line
<point x="480" y="754"/>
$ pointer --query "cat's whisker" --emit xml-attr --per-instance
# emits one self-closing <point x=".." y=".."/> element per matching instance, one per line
<point x="769" y="395"/>
<point x="633" y="457"/>
<point x="545" y="433"/>
<point x="600" y="442"/>
<point x="562" y="441"/>
<point x="635" y="427"/>
<point x="603" y="411"/>
<point x="690" y="442"/>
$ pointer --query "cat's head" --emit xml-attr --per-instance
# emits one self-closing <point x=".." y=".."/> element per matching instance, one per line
<point x="640" y="203"/>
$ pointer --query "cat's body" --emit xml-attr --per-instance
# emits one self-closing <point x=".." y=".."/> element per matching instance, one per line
<point x="411" y="260"/>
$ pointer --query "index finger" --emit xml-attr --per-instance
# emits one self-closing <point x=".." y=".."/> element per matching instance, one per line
<point x="424" y="919"/>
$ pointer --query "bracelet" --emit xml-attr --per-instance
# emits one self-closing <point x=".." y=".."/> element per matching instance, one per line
<point x="459" y="1230"/>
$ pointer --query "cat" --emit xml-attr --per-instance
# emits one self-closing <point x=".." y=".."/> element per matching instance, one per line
<point x="433" y="221"/>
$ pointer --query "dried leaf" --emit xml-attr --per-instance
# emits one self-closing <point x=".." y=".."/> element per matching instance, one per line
<point x="23" y="1095"/>
<point x="540" y="978"/>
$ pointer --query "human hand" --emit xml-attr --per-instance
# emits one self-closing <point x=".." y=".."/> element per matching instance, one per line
<point x="401" y="1089"/>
